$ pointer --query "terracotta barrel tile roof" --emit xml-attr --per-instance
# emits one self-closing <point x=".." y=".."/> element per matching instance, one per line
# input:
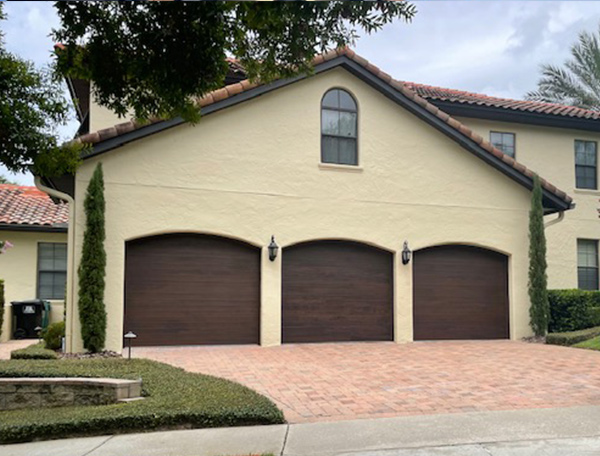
<point x="460" y="96"/>
<point x="404" y="88"/>
<point x="29" y="206"/>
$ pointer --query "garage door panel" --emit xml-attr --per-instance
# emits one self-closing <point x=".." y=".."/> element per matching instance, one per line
<point x="337" y="291"/>
<point x="187" y="289"/>
<point x="460" y="292"/>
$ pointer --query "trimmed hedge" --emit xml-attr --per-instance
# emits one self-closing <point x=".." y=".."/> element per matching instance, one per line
<point x="595" y="316"/>
<point x="572" y="310"/>
<point x="174" y="399"/>
<point x="36" y="351"/>
<point x="572" y="337"/>
<point x="1" y="305"/>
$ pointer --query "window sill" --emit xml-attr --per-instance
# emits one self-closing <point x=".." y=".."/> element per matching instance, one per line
<point x="584" y="191"/>
<point x="344" y="168"/>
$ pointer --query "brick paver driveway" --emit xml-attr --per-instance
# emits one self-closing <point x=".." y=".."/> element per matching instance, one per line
<point x="368" y="380"/>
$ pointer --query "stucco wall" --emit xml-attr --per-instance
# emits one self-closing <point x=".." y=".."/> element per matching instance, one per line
<point x="102" y="117"/>
<point x="551" y="153"/>
<point x="252" y="171"/>
<point x="18" y="268"/>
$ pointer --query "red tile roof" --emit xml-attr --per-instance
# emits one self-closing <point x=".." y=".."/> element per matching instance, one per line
<point x="460" y="96"/>
<point x="29" y="206"/>
<point x="245" y="85"/>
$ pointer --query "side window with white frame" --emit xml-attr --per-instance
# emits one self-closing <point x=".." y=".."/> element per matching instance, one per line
<point x="586" y="168"/>
<point x="587" y="264"/>
<point x="339" y="125"/>
<point x="503" y="141"/>
<point x="52" y="270"/>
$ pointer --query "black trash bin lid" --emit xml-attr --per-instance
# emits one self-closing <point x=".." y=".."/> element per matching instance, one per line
<point x="29" y="302"/>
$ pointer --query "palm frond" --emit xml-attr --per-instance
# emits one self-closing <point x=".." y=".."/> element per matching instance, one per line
<point x="577" y="82"/>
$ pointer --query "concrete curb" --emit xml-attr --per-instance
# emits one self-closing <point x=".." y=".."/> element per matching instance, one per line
<point x="442" y="430"/>
<point x="470" y="433"/>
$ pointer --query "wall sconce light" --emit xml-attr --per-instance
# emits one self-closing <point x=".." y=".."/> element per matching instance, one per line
<point x="406" y="253"/>
<point x="273" y="248"/>
<point x="129" y="338"/>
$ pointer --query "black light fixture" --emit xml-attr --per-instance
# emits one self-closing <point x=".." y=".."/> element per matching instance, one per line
<point x="129" y="338"/>
<point x="273" y="248"/>
<point x="406" y="253"/>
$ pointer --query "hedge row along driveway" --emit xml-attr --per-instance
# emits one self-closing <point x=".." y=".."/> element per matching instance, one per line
<point x="173" y="399"/>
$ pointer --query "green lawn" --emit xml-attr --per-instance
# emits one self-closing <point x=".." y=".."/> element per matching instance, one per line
<point x="174" y="399"/>
<point x="591" y="344"/>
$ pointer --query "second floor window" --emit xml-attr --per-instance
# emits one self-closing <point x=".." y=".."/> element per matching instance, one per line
<point x="52" y="270"/>
<point x="504" y="142"/>
<point x="586" y="165"/>
<point x="587" y="264"/>
<point x="339" y="120"/>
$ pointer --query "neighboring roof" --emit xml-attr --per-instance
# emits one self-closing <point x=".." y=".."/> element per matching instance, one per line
<point x="118" y="135"/>
<point x="29" y="208"/>
<point x="433" y="93"/>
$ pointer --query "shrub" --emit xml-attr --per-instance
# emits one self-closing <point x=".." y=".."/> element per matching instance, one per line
<point x="92" y="269"/>
<point x="36" y="351"/>
<point x="173" y="398"/>
<point x="595" y="315"/>
<point x="572" y="337"/>
<point x="572" y="310"/>
<point x="53" y="335"/>
<point x="538" y="280"/>
<point x="1" y="305"/>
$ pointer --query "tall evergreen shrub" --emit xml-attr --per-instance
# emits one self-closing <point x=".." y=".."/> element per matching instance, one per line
<point x="538" y="281"/>
<point x="92" y="269"/>
<point x="1" y="305"/>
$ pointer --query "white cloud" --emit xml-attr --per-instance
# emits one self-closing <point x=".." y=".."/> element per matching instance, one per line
<point x="493" y="47"/>
<point x="565" y="16"/>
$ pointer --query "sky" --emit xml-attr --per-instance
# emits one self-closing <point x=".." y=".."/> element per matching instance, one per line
<point x="492" y="47"/>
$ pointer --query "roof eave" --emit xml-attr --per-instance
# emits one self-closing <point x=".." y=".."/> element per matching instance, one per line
<point x="463" y="109"/>
<point x="33" y="228"/>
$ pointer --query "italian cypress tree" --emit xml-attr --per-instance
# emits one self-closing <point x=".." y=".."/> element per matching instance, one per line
<point x="92" y="268"/>
<point x="1" y="305"/>
<point x="538" y="280"/>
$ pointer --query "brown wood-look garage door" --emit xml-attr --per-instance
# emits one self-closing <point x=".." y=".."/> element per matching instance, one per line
<point x="336" y="291"/>
<point x="189" y="289"/>
<point x="460" y="292"/>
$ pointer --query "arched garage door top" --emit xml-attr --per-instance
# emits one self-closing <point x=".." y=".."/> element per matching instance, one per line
<point x="336" y="291"/>
<point x="460" y="292"/>
<point x="192" y="289"/>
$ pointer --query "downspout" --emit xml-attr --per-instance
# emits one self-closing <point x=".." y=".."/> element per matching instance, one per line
<point x="70" y="259"/>
<point x="560" y="218"/>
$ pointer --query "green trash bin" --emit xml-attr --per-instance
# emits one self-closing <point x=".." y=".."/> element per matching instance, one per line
<point x="46" y="314"/>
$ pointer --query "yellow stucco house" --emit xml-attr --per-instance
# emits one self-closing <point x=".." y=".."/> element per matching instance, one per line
<point x="36" y="265"/>
<point x="340" y="206"/>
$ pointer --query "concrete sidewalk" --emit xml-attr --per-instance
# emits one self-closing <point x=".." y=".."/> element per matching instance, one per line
<point x="547" y="432"/>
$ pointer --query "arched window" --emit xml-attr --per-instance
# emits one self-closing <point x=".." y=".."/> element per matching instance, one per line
<point x="339" y="128"/>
